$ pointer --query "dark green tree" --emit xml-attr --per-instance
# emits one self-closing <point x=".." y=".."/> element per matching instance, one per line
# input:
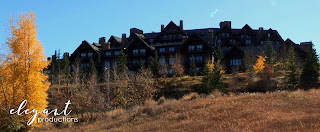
<point x="310" y="70"/>
<point x="122" y="62"/>
<point x="65" y="63"/>
<point x="270" y="53"/>
<point x="193" y="67"/>
<point x="155" y="65"/>
<point x="292" y="69"/>
<point x="92" y="68"/>
<point x="220" y="54"/>
<point x="246" y="61"/>
<point x="205" y="69"/>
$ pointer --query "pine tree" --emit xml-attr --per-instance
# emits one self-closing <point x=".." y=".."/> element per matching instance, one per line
<point x="92" y="68"/>
<point x="122" y="62"/>
<point x="292" y="71"/>
<point x="270" y="54"/>
<point x="155" y="65"/>
<point x="65" y="63"/>
<point x="220" y="54"/>
<point x="23" y="78"/>
<point x="205" y="69"/>
<point x="246" y="61"/>
<point x="310" y="70"/>
<point x="193" y="67"/>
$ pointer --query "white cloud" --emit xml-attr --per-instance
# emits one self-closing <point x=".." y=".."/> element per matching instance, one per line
<point x="212" y="14"/>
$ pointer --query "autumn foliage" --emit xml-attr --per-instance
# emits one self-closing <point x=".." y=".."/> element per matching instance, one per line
<point x="22" y="76"/>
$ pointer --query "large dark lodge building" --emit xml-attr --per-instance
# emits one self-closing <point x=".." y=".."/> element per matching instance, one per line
<point x="201" y="44"/>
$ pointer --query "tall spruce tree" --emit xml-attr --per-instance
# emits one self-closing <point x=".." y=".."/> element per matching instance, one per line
<point x="292" y="69"/>
<point x="155" y="65"/>
<point x="270" y="53"/>
<point x="122" y="62"/>
<point x="65" y="63"/>
<point x="193" y="67"/>
<point x="310" y="70"/>
<point x="92" y="68"/>
<point x="220" y="54"/>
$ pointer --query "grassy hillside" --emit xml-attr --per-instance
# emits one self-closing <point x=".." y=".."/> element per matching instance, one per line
<point x="280" y="111"/>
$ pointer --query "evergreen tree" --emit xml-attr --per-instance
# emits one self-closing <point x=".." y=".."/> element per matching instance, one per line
<point x="92" y="68"/>
<point x="310" y="70"/>
<point x="270" y="53"/>
<point x="220" y="54"/>
<point x="246" y="61"/>
<point x="122" y="62"/>
<point x="65" y="63"/>
<point x="292" y="72"/>
<point x="205" y="69"/>
<point x="155" y="65"/>
<point x="193" y="67"/>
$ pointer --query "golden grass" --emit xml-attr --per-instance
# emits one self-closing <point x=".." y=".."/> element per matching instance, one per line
<point x="277" y="111"/>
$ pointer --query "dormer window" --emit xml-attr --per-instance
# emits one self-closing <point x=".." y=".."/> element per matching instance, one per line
<point x="135" y="52"/>
<point x="83" y="55"/>
<point x="191" y="48"/>
<point x="142" y="51"/>
<point x="90" y="55"/>
<point x="199" y="47"/>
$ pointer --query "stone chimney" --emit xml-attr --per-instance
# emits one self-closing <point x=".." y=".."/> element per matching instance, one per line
<point x="102" y="40"/>
<point x="210" y="36"/>
<point x="260" y="30"/>
<point x="162" y="27"/>
<point x="225" y="24"/>
<point x="124" y="39"/>
<point x="181" y="24"/>
<point x="184" y="38"/>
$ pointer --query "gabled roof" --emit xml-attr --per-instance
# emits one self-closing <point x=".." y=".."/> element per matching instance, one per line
<point x="139" y="37"/>
<point x="246" y="28"/>
<point x="195" y="36"/>
<point x="85" y="43"/>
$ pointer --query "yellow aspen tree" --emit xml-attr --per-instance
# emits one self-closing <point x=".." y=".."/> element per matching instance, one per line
<point x="259" y="66"/>
<point x="22" y="71"/>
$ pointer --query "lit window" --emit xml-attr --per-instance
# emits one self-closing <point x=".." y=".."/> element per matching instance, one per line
<point x="107" y="64"/>
<point x="235" y="62"/>
<point x="199" y="47"/>
<point x="90" y="55"/>
<point x="248" y="41"/>
<point x="162" y="49"/>
<point x="171" y="61"/>
<point x="135" y="52"/>
<point x="142" y="51"/>
<point x="108" y="53"/>
<point x="198" y="59"/>
<point x="116" y="52"/>
<point x="171" y="49"/>
<point x="191" y="48"/>
<point x="83" y="55"/>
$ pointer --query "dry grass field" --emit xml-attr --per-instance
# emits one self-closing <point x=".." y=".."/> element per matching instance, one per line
<point x="276" y="111"/>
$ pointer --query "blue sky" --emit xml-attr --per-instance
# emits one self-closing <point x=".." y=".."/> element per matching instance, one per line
<point x="64" y="24"/>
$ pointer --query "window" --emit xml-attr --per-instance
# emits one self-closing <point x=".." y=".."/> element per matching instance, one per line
<point x="116" y="52"/>
<point x="223" y="34"/>
<point x="248" y="41"/>
<point x="135" y="62"/>
<point x="142" y="51"/>
<point x="108" y="53"/>
<point x="199" y="47"/>
<point x="243" y="36"/>
<point x="269" y="35"/>
<point x="135" y="52"/>
<point x="162" y="61"/>
<point x="90" y="55"/>
<point x="219" y="41"/>
<point x="84" y="65"/>
<point x="235" y="62"/>
<point x="107" y="64"/>
<point x="171" y="61"/>
<point x="170" y="71"/>
<point x="151" y="40"/>
<point x="115" y="63"/>
<point x="198" y="59"/>
<point x="232" y="41"/>
<point x="83" y="55"/>
<point x="174" y="37"/>
<point x="191" y="48"/>
<point x="180" y="36"/>
<point x="143" y="61"/>
<point x="165" y="37"/>
<point x="171" y="49"/>
<point x="261" y="42"/>
<point x="190" y="59"/>
<point x="227" y="34"/>
<point x="162" y="49"/>
<point x="278" y="42"/>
